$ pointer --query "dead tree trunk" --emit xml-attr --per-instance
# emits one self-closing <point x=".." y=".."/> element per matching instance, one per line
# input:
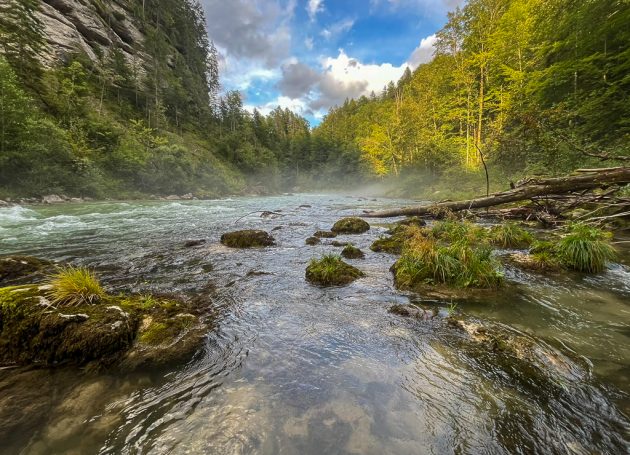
<point x="529" y="189"/>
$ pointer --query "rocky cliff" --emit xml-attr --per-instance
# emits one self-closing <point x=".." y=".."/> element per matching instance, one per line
<point x="91" y="27"/>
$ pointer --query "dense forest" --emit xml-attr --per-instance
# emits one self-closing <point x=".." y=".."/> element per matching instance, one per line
<point x="519" y="87"/>
<point x="528" y="86"/>
<point x="131" y="120"/>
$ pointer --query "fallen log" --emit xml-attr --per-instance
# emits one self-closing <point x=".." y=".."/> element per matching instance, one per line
<point x="531" y="189"/>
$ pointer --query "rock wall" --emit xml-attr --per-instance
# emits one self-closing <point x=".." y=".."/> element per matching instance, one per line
<point x="91" y="27"/>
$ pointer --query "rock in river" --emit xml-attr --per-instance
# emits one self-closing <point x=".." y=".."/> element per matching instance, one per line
<point x="247" y="239"/>
<point x="350" y="225"/>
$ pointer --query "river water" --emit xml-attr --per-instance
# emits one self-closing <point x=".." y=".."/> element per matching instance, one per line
<point x="293" y="368"/>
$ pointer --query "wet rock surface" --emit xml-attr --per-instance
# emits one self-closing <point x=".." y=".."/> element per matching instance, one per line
<point x="331" y="271"/>
<point x="23" y="269"/>
<point x="352" y="252"/>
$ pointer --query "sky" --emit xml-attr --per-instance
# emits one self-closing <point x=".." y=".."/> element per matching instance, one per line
<point x="309" y="55"/>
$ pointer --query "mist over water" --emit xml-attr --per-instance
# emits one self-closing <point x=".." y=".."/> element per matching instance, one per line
<point x="293" y="368"/>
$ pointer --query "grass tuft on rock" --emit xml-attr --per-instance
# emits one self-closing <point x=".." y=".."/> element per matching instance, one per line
<point x="330" y="270"/>
<point x="586" y="248"/>
<point x="510" y="235"/>
<point x="464" y="263"/>
<point x="73" y="286"/>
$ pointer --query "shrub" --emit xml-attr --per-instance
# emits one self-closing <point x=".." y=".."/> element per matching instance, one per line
<point x="72" y="286"/>
<point x="586" y="248"/>
<point x="510" y="235"/>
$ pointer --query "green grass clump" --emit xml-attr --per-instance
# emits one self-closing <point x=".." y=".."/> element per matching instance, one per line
<point x="72" y="286"/>
<point x="586" y="248"/>
<point x="460" y="264"/>
<point x="510" y="235"/>
<point x="330" y="270"/>
<point x="452" y="231"/>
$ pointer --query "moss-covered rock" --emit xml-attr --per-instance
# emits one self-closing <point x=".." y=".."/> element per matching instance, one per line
<point x="23" y="269"/>
<point x="324" y="235"/>
<point x="350" y="225"/>
<point x="412" y="221"/>
<point x="330" y="270"/>
<point x="540" y="262"/>
<point x="312" y="241"/>
<point x="392" y="245"/>
<point x="352" y="252"/>
<point x="133" y="330"/>
<point x="249" y="238"/>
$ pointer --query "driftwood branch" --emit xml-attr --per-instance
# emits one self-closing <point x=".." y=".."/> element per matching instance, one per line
<point x="528" y="190"/>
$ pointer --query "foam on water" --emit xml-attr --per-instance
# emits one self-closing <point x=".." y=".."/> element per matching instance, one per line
<point x="16" y="214"/>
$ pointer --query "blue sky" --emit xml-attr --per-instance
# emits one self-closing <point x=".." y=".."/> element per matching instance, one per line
<point x="309" y="55"/>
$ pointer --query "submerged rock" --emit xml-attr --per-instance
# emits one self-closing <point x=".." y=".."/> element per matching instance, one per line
<point x="350" y="225"/>
<point x="325" y="235"/>
<point x="247" y="239"/>
<point x="23" y="269"/>
<point x="192" y="243"/>
<point x="313" y="241"/>
<point x="352" y="252"/>
<point x="129" y="331"/>
<point x="339" y="244"/>
<point x="410" y="311"/>
<point x="331" y="271"/>
<point x="540" y="360"/>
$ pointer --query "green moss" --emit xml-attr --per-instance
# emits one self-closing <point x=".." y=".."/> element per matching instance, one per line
<point x="352" y="252"/>
<point x="390" y="245"/>
<point x="156" y="333"/>
<point x="247" y="239"/>
<point x="330" y="270"/>
<point x="350" y="225"/>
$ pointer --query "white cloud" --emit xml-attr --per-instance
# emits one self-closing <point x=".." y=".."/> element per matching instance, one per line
<point x="298" y="106"/>
<point x="314" y="7"/>
<point x="423" y="53"/>
<point x="308" y="42"/>
<point x="337" y="28"/>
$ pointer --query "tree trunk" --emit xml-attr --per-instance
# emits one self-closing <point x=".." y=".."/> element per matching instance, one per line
<point x="529" y="189"/>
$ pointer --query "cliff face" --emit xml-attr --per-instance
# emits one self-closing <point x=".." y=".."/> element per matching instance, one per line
<point x="91" y="27"/>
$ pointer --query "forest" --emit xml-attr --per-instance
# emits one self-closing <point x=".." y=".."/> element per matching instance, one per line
<point x="531" y="87"/>
<point x="517" y="88"/>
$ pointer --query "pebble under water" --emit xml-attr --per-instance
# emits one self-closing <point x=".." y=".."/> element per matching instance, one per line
<point x="292" y="368"/>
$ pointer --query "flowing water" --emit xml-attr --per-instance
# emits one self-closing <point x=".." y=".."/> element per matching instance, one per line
<point x="293" y="368"/>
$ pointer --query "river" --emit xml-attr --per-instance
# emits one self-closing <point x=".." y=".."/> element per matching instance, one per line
<point x="291" y="368"/>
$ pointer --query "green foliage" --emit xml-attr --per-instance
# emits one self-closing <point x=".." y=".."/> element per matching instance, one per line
<point x="510" y="235"/>
<point x="586" y="248"/>
<point x="72" y="286"/>
<point x="454" y="253"/>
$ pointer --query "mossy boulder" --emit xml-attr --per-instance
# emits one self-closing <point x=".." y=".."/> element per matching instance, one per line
<point x="350" y="225"/>
<point x="330" y="270"/>
<point x="325" y="235"/>
<point x="312" y="241"/>
<point x="391" y="244"/>
<point x="23" y="269"/>
<point x="352" y="252"/>
<point x="129" y="331"/>
<point x="249" y="238"/>
<point x="339" y="244"/>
